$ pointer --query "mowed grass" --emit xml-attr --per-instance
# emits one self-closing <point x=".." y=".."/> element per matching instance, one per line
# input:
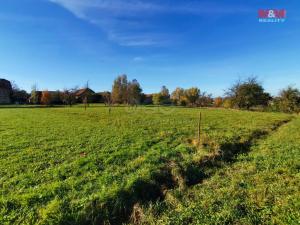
<point x="71" y="166"/>
<point x="262" y="187"/>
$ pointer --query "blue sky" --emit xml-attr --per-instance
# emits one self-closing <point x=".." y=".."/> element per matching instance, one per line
<point x="209" y="44"/>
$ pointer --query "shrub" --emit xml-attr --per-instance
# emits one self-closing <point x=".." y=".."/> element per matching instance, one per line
<point x="247" y="94"/>
<point x="227" y="103"/>
<point x="288" y="100"/>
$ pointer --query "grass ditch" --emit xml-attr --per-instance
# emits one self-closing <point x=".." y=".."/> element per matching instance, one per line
<point x="224" y="153"/>
<point x="127" y="206"/>
<point x="259" y="187"/>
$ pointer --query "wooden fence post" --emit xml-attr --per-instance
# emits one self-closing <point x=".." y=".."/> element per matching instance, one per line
<point x="199" y="129"/>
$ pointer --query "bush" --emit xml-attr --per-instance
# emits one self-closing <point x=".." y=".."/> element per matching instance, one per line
<point x="227" y="103"/>
<point x="288" y="100"/>
<point x="247" y="94"/>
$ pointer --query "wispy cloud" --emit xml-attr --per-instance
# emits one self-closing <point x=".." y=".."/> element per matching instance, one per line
<point x="128" y="23"/>
<point x="139" y="39"/>
<point x="136" y="7"/>
<point x="138" y="59"/>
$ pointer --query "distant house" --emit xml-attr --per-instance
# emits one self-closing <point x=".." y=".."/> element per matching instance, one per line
<point x="84" y="93"/>
<point x="105" y="97"/>
<point x="101" y="97"/>
<point x="5" y="91"/>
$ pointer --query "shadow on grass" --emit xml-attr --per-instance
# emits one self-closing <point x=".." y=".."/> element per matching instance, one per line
<point x="197" y="172"/>
<point x="119" y="208"/>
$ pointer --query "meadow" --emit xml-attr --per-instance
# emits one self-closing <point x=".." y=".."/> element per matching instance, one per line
<point x="261" y="187"/>
<point x="143" y="165"/>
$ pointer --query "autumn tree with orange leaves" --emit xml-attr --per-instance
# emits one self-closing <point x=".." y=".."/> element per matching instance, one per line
<point x="46" y="98"/>
<point x="218" y="102"/>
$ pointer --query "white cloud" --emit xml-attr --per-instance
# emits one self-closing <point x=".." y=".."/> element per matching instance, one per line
<point x="134" y="7"/>
<point x="114" y="7"/>
<point x="139" y="39"/>
<point x="128" y="23"/>
<point x="118" y="19"/>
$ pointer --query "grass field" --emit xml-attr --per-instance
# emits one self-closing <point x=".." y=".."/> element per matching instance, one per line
<point x="262" y="187"/>
<point x="71" y="166"/>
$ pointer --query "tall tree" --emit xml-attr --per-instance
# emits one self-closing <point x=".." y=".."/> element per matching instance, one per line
<point x="134" y="92"/>
<point x="165" y="95"/>
<point x="34" y="97"/>
<point x="18" y="96"/>
<point x="165" y="91"/>
<point x="248" y="94"/>
<point x="192" y="95"/>
<point x="120" y="90"/>
<point x="178" y="96"/>
<point x="161" y="98"/>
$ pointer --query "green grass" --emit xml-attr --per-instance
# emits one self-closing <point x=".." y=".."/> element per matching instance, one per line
<point x="262" y="187"/>
<point x="70" y="166"/>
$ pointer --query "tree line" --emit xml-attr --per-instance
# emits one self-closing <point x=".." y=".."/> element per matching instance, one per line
<point x="246" y="94"/>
